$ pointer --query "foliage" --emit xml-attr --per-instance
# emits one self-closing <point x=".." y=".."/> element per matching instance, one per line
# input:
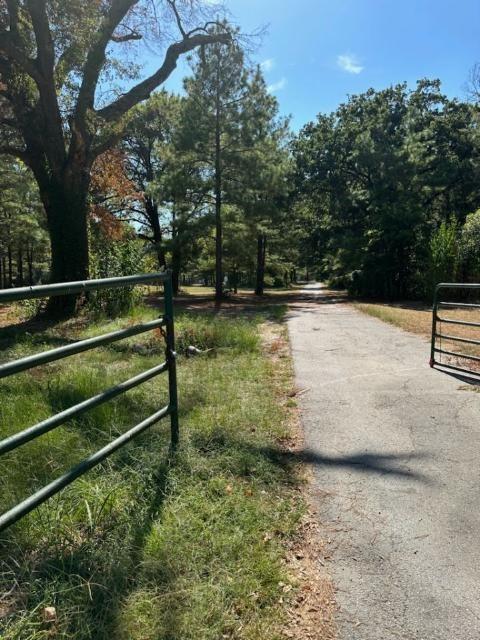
<point x="112" y="194"/>
<point x="150" y="154"/>
<point x="231" y="136"/>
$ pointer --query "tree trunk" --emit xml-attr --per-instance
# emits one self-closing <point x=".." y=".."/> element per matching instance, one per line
<point x="218" y="198"/>
<point x="152" y="212"/>
<point x="176" y="265"/>
<point x="235" y="279"/>
<point x="20" y="266"/>
<point x="10" y="265"/>
<point x="4" y="273"/>
<point x="261" y="255"/>
<point x="66" y="207"/>
<point x="30" y="264"/>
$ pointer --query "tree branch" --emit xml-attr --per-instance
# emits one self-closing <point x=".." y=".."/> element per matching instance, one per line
<point x="142" y="91"/>
<point x="174" y="9"/>
<point x="12" y="6"/>
<point x="96" y="56"/>
<point x="43" y="37"/>
<point x="9" y="122"/>
<point x="13" y="151"/>
<point x="127" y="37"/>
<point x="15" y="54"/>
<point x="204" y="29"/>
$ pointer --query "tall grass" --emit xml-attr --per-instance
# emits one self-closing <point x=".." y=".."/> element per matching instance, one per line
<point x="150" y="546"/>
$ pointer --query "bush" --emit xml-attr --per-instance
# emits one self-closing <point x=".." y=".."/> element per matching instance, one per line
<point x="444" y="253"/>
<point x="110" y="259"/>
<point x="469" y="247"/>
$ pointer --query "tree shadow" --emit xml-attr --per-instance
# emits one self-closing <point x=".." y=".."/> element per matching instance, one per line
<point x="10" y="335"/>
<point x="362" y="462"/>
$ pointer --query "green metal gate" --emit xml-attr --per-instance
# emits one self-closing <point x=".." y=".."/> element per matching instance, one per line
<point x="438" y="337"/>
<point x="165" y="324"/>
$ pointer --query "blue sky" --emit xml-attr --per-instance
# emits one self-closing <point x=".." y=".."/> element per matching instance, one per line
<point x="317" y="51"/>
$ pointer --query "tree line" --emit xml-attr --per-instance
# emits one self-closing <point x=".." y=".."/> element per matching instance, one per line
<point x="389" y="184"/>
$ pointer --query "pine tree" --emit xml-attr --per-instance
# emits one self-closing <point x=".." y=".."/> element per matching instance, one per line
<point x="213" y="127"/>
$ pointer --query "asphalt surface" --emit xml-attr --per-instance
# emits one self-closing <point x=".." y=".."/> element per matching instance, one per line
<point x="395" y="449"/>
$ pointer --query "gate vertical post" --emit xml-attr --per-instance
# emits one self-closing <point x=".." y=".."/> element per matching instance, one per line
<point x="171" y="360"/>
<point x="434" y="326"/>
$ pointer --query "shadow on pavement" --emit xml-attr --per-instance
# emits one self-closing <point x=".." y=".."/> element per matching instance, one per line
<point x="472" y="379"/>
<point x="384" y="464"/>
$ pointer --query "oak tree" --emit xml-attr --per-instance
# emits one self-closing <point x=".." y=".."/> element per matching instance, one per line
<point x="67" y="84"/>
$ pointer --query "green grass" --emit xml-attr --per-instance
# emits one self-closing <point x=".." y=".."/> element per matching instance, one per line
<point x="148" y="546"/>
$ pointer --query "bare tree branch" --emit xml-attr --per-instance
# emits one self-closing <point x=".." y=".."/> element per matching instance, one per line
<point x="473" y="83"/>
<point x="178" y="20"/>
<point x="143" y="90"/>
<point x="204" y="29"/>
<point x="96" y="56"/>
<point x="9" y="122"/>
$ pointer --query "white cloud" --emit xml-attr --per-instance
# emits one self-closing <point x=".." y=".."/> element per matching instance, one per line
<point x="268" y="64"/>
<point x="276" y="86"/>
<point x="349" y="63"/>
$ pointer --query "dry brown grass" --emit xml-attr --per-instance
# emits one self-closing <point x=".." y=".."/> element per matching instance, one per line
<point x="9" y="314"/>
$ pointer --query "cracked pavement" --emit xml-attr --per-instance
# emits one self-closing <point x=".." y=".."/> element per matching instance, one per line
<point x="395" y="452"/>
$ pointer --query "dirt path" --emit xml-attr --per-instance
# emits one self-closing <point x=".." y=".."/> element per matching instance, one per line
<point x="395" y="448"/>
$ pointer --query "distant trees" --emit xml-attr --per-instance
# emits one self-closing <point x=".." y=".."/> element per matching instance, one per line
<point x="469" y="248"/>
<point x="378" y="177"/>
<point x="23" y="238"/>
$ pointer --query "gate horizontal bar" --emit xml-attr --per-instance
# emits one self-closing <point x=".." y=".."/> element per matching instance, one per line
<point x="460" y="304"/>
<point x="16" y="440"/>
<point x="458" y="285"/>
<point x="65" y="288"/>
<point x="457" y="355"/>
<point x="464" y="323"/>
<point x="27" y="505"/>
<point x="457" y="339"/>
<point x="9" y="368"/>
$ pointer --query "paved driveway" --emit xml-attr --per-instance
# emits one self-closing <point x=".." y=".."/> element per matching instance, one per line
<point x="395" y="448"/>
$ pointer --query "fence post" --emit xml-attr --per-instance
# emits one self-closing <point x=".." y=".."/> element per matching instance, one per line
<point x="171" y="360"/>
<point x="434" y="326"/>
